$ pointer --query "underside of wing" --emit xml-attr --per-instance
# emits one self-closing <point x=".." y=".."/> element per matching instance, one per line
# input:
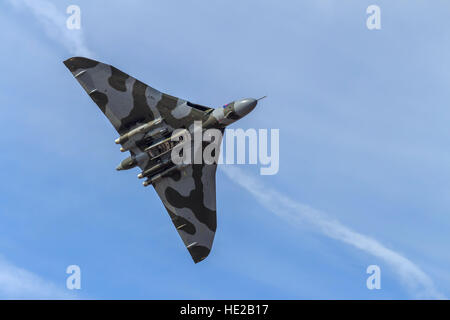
<point x="145" y="119"/>
<point x="128" y="102"/>
<point x="189" y="195"/>
<point x="124" y="100"/>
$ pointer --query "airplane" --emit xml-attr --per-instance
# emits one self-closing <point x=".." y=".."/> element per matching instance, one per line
<point x="145" y="119"/>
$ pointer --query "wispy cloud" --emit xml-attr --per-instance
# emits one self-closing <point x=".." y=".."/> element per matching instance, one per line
<point x="54" y="23"/>
<point x="417" y="281"/>
<point x="18" y="283"/>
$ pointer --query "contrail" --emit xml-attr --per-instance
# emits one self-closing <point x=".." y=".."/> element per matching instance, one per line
<point x="18" y="283"/>
<point x="417" y="281"/>
<point x="54" y="23"/>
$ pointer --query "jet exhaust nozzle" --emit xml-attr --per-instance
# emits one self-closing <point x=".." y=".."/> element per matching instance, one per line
<point x="127" y="163"/>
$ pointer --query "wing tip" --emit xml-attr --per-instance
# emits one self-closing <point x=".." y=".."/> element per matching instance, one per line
<point x="76" y="63"/>
<point x="199" y="253"/>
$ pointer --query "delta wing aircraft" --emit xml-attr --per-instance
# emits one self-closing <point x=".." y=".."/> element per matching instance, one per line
<point x="146" y="119"/>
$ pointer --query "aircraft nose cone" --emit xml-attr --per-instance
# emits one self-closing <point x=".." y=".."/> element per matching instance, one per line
<point x="245" y="106"/>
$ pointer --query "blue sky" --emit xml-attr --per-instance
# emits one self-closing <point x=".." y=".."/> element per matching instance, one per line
<point x="363" y="118"/>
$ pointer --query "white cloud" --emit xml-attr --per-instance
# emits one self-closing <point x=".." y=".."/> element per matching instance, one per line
<point x="18" y="283"/>
<point x="54" y="22"/>
<point x="417" y="281"/>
